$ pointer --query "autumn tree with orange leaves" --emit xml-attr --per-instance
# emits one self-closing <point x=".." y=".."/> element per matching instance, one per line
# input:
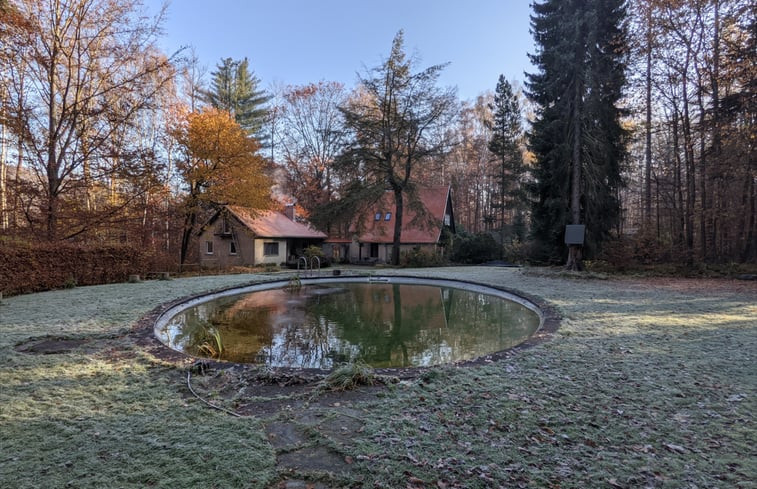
<point x="220" y="165"/>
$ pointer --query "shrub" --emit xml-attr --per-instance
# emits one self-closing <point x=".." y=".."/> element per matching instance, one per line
<point x="34" y="267"/>
<point x="312" y="251"/>
<point x="474" y="248"/>
<point x="419" y="258"/>
<point x="516" y="251"/>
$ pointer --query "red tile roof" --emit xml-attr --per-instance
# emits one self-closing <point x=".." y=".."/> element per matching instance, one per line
<point x="415" y="229"/>
<point x="271" y="224"/>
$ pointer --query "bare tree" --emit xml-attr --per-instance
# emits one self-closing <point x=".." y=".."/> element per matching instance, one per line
<point x="311" y="137"/>
<point x="92" y="68"/>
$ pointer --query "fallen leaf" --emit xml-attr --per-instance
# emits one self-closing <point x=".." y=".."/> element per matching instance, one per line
<point x="674" y="448"/>
<point x="415" y="483"/>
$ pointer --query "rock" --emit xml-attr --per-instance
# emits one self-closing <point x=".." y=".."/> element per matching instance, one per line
<point x="747" y="276"/>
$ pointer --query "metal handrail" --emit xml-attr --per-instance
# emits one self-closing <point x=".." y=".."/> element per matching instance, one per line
<point x="302" y="259"/>
<point x="318" y="262"/>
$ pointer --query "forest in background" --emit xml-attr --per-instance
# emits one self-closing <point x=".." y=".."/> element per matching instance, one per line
<point x="106" y="140"/>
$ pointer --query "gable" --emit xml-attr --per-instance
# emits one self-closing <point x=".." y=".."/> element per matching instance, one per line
<point x="418" y="226"/>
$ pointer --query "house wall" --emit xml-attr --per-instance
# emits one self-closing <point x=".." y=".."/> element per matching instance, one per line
<point x="222" y="256"/>
<point x="261" y="258"/>
<point x="250" y="250"/>
<point x="384" y="251"/>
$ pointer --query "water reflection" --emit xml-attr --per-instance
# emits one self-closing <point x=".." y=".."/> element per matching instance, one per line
<point x="384" y="325"/>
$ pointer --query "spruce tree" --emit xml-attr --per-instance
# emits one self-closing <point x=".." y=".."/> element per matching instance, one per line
<point x="577" y="138"/>
<point x="234" y="88"/>
<point x="505" y="147"/>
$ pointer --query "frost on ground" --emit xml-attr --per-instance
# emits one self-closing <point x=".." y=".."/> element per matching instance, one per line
<point x="647" y="383"/>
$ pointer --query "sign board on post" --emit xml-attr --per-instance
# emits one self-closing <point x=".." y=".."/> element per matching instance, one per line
<point x="574" y="234"/>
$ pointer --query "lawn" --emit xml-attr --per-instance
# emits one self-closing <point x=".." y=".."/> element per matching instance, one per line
<point x="647" y="383"/>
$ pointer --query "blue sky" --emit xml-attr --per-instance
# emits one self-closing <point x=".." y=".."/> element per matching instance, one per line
<point x="303" y="41"/>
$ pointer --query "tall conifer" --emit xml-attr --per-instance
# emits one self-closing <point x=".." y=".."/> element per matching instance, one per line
<point x="504" y="144"/>
<point x="234" y="88"/>
<point x="577" y="138"/>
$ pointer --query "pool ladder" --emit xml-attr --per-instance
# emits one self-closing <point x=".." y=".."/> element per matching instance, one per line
<point x="315" y="264"/>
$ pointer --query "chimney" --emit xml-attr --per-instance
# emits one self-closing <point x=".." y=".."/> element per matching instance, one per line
<point x="289" y="211"/>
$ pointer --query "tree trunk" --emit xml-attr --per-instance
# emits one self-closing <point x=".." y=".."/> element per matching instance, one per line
<point x="3" y="177"/>
<point x="704" y="228"/>
<point x="190" y="220"/>
<point x="186" y="236"/>
<point x="574" y="258"/>
<point x="53" y="183"/>
<point x="398" y="212"/>
<point x="647" y="218"/>
<point x="574" y="252"/>
<point x="715" y="163"/>
<point x="690" y="172"/>
<point x="680" y="221"/>
<point x="749" y="250"/>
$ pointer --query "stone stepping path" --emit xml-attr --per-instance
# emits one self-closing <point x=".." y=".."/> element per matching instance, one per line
<point x="309" y="430"/>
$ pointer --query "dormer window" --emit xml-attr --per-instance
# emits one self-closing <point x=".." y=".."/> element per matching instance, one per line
<point x="378" y="216"/>
<point x="388" y="216"/>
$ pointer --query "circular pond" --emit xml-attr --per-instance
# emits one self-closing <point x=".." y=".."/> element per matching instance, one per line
<point x="384" y="322"/>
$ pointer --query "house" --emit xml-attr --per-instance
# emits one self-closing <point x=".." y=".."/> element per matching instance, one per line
<point x="371" y="235"/>
<point x="238" y="236"/>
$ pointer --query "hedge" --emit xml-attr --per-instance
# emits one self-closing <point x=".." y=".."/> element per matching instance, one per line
<point x="26" y="267"/>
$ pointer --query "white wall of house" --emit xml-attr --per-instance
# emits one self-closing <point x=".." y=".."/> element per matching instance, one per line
<point x="263" y="251"/>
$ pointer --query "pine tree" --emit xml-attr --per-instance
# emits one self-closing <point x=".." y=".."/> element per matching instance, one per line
<point x="577" y="138"/>
<point x="504" y="145"/>
<point x="235" y="89"/>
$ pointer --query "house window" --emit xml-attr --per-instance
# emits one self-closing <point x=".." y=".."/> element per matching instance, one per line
<point x="388" y="216"/>
<point x="270" y="249"/>
<point x="378" y="216"/>
<point x="208" y="247"/>
<point x="226" y="226"/>
<point x="232" y="248"/>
